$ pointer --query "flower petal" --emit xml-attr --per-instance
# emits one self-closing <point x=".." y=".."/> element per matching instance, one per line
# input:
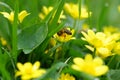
<point x="36" y="65"/>
<point x="78" y="61"/>
<point x="22" y="15"/>
<point x="88" y="57"/>
<point x="5" y="14"/>
<point x="101" y="70"/>
<point x="20" y="66"/>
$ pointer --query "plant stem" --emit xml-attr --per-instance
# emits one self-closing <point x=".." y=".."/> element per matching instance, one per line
<point x="89" y="14"/>
<point x="14" y="31"/>
<point x="63" y="66"/>
<point x="11" y="58"/>
<point x="111" y="59"/>
<point x="74" y="24"/>
<point x="79" y="2"/>
<point x="6" y="5"/>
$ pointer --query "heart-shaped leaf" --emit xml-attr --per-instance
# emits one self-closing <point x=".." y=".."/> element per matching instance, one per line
<point x="31" y="37"/>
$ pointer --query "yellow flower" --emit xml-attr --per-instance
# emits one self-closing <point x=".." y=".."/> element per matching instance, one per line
<point x="94" y="67"/>
<point x="94" y="39"/>
<point x="117" y="48"/>
<point x="64" y="35"/>
<point x="112" y="31"/>
<point x="22" y="15"/>
<point x="73" y="10"/>
<point x="85" y="27"/>
<point x="28" y="71"/>
<point x="66" y="77"/>
<point x="3" y="41"/>
<point x="61" y="17"/>
<point x="103" y="52"/>
<point x="10" y="16"/>
<point x="46" y="11"/>
<point x="100" y="42"/>
<point x="52" y="42"/>
<point x="119" y="8"/>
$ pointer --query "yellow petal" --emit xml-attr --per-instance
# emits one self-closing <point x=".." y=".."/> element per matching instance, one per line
<point x="85" y="35"/>
<point x="91" y="34"/>
<point x="119" y="8"/>
<point x="76" y="67"/>
<point x="3" y="41"/>
<point x="78" y="61"/>
<point x="22" y="15"/>
<point x="41" y="16"/>
<point x="11" y="17"/>
<point x="89" y="47"/>
<point x="18" y="73"/>
<point x="5" y="14"/>
<point x="28" y="66"/>
<point x="89" y="65"/>
<point x="36" y="65"/>
<point x="20" y="66"/>
<point x="100" y="35"/>
<point x="103" y="52"/>
<point x="26" y="77"/>
<point x="84" y="13"/>
<point x="101" y="70"/>
<point x="98" y="61"/>
<point x="45" y="10"/>
<point x="38" y="73"/>
<point x="88" y="57"/>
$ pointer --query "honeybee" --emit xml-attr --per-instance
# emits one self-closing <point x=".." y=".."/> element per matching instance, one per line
<point x="64" y="30"/>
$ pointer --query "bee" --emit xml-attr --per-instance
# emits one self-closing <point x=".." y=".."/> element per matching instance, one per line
<point x="64" y="30"/>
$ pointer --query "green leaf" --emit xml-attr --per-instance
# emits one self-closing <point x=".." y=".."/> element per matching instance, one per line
<point x="4" y="28"/>
<point x="52" y="73"/>
<point x="56" y="29"/>
<point x="114" y="75"/>
<point x="6" y="5"/>
<point x="32" y="37"/>
<point x="54" y="22"/>
<point x="53" y="27"/>
<point x="3" y="61"/>
<point x="42" y="47"/>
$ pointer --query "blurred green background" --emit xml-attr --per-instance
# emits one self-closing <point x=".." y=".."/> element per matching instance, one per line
<point x="104" y="12"/>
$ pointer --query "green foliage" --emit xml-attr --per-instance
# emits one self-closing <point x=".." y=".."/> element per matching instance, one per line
<point x="54" y="23"/>
<point x="114" y="75"/>
<point x="52" y="73"/>
<point x="78" y="75"/>
<point x="31" y="37"/>
<point x="3" y="70"/>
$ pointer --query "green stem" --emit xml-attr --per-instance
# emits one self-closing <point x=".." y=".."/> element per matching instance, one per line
<point x="75" y="20"/>
<point x="102" y="17"/>
<point x="14" y="31"/>
<point x="5" y="74"/>
<point x="63" y="50"/>
<point x="74" y="24"/>
<point x="89" y="15"/>
<point x="79" y="2"/>
<point x="5" y="5"/>
<point x="111" y="59"/>
<point x="63" y="66"/>
<point x="94" y="52"/>
<point x="11" y="58"/>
